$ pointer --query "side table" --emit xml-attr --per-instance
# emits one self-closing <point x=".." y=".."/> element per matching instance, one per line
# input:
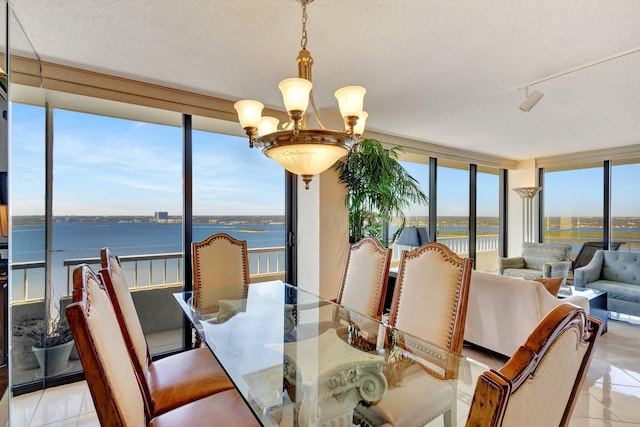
<point x="597" y="303"/>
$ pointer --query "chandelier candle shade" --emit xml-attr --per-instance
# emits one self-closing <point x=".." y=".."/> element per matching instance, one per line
<point x="300" y="150"/>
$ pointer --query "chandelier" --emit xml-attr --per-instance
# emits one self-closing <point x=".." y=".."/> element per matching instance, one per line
<point x="295" y="147"/>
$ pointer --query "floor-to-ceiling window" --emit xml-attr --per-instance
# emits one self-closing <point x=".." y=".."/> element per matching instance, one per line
<point x="487" y="218"/>
<point x="239" y="191"/>
<point x="573" y="205"/>
<point x="416" y="215"/>
<point x="453" y="206"/>
<point x="115" y="183"/>
<point x="625" y="205"/>
<point x="27" y="238"/>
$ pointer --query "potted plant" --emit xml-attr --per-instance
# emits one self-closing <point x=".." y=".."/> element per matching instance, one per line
<point x="52" y="345"/>
<point x="22" y="343"/>
<point x="378" y="189"/>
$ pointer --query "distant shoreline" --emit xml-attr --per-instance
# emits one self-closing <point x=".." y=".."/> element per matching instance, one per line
<point x="551" y="223"/>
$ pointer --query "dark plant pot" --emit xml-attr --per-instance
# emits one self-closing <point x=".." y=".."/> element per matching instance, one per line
<point x="22" y="354"/>
<point x="53" y="360"/>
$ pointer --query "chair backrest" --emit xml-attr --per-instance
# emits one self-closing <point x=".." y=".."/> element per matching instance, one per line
<point x="589" y="249"/>
<point x="537" y="254"/>
<point x="431" y="294"/>
<point x="364" y="281"/>
<point x="112" y="381"/>
<point x="540" y="383"/>
<point x="117" y="288"/>
<point x="218" y="261"/>
<point x="621" y="267"/>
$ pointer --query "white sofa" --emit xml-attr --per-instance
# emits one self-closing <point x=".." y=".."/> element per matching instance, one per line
<point x="503" y="310"/>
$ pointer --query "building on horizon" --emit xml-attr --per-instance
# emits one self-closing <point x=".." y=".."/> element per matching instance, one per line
<point x="161" y="215"/>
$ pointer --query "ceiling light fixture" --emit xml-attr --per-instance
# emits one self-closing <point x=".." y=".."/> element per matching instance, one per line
<point x="531" y="99"/>
<point x="298" y="149"/>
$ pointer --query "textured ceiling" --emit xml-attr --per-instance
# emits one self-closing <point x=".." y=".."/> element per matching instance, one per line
<point x="445" y="72"/>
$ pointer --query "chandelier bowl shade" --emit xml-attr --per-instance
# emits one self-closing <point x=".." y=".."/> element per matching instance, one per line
<point x="308" y="153"/>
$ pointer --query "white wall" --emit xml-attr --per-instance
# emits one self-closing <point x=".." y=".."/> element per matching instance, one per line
<point x="323" y="236"/>
<point x="308" y="236"/>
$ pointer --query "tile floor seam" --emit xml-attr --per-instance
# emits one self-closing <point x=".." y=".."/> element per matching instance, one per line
<point x="35" y="408"/>
<point x="58" y="421"/>
<point x="606" y="408"/>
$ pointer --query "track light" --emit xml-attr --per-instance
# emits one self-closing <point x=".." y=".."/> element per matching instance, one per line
<point x="532" y="99"/>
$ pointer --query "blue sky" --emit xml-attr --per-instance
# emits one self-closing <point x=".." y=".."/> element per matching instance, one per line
<point x="106" y="166"/>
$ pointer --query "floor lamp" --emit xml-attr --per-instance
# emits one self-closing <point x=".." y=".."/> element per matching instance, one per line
<point x="527" y="194"/>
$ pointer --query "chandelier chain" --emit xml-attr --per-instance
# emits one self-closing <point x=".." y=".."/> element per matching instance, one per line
<point x="303" y="42"/>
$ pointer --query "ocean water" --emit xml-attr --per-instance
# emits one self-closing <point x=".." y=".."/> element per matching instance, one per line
<point x="72" y="240"/>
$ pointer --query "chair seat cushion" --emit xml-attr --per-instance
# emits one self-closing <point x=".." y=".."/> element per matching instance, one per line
<point x="524" y="273"/>
<point x="618" y="290"/>
<point x="226" y="408"/>
<point x="398" y="406"/>
<point x="184" y="377"/>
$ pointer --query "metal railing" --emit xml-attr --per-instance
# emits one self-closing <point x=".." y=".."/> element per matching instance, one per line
<point x="459" y="244"/>
<point x="146" y="270"/>
<point x="166" y="268"/>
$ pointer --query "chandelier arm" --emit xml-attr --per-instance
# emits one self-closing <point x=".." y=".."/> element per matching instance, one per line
<point x="315" y="111"/>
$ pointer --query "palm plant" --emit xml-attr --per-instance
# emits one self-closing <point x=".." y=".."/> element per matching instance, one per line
<point x="378" y="188"/>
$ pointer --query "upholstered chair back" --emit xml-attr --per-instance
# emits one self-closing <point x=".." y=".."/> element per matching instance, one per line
<point x="364" y="281"/>
<point x="540" y="383"/>
<point x="537" y="254"/>
<point x="621" y="266"/>
<point x="118" y="289"/>
<point x="219" y="261"/>
<point x="431" y="294"/>
<point x="105" y="359"/>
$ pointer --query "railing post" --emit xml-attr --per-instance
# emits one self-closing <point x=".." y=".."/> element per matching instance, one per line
<point x="25" y="284"/>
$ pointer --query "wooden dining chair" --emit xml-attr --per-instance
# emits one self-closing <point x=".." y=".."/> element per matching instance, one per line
<point x="218" y="261"/>
<point x="362" y="290"/>
<point x="540" y="383"/>
<point x="429" y="302"/>
<point x="168" y="382"/>
<point x="364" y="280"/>
<point x="116" y="392"/>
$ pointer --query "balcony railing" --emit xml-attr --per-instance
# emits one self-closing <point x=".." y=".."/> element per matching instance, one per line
<point x="147" y="270"/>
<point x="459" y="244"/>
<point x="166" y="269"/>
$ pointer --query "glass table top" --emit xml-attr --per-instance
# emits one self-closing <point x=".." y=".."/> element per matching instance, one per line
<point x="298" y="359"/>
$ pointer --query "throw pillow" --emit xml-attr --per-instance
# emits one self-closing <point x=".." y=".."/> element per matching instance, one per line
<point x="552" y="285"/>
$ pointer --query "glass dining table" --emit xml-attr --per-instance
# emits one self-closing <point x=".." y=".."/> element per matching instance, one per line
<point x="302" y="360"/>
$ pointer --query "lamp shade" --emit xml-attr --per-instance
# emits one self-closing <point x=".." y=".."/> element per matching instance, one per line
<point x="295" y="93"/>
<point x="268" y="125"/>
<point x="350" y="100"/>
<point x="306" y="159"/>
<point x="249" y="113"/>
<point x="358" y="129"/>
<point x="413" y="236"/>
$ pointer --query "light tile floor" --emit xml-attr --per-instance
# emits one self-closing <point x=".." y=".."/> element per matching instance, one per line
<point x="610" y="396"/>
